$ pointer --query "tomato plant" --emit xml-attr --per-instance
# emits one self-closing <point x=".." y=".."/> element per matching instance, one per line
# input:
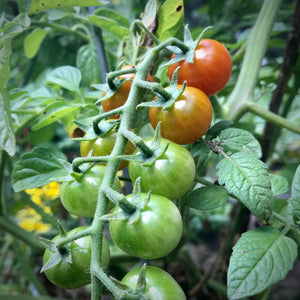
<point x="119" y="98"/>
<point x="171" y="175"/>
<point x="159" y="284"/>
<point x="79" y="195"/>
<point x="73" y="270"/>
<point x="210" y="70"/>
<point x="103" y="146"/>
<point x="187" y="120"/>
<point x="154" y="233"/>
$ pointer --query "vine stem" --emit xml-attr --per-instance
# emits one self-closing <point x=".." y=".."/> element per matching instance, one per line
<point x="256" y="47"/>
<point x="129" y="109"/>
<point x="267" y="115"/>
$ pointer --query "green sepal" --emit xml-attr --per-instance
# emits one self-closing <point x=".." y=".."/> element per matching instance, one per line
<point x="188" y="41"/>
<point x="141" y="282"/>
<point x="173" y="94"/>
<point x="47" y="243"/>
<point x="104" y="127"/>
<point x="54" y="260"/>
<point x="62" y="230"/>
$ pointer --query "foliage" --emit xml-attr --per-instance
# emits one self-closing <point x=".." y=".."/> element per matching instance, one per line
<point x="60" y="59"/>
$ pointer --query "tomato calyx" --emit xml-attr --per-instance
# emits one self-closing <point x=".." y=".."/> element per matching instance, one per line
<point x="192" y="45"/>
<point x="130" y="210"/>
<point x="148" y="153"/>
<point x="166" y="100"/>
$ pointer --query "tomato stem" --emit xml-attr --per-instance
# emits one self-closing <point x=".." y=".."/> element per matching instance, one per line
<point x="120" y="200"/>
<point x="140" y="24"/>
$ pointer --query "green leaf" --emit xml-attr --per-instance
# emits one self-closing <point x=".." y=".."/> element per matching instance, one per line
<point x="37" y="167"/>
<point x="5" y="53"/>
<point x="245" y="176"/>
<point x="27" y="297"/>
<point x="7" y="136"/>
<point x="279" y="184"/>
<point x="295" y="196"/>
<point x="55" y="111"/>
<point x="207" y="197"/>
<point x="114" y="15"/>
<point x="33" y="41"/>
<point x="88" y="64"/>
<point x="67" y="77"/>
<point x="260" y="258"/>
<point x="170" y="20"/>
<point x="40" y="5"/>
<point x="111" y="25"/>
<point x="239" y="140"/>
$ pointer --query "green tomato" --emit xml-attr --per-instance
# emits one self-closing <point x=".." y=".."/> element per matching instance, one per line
<point x="171" y="175"/>
<point x="79" y="197"/>
<point x="154" y="234"/>
<point x="160" y="285"/>
<point x="71" y="275"/>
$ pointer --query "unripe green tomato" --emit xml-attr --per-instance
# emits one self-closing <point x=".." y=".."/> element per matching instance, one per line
<point x="76" y="273"/>
<point x="155" y="233"/>
<point x="171" y="175"/>
<point x="80" y="197"/>
<point x="160" y="285"/>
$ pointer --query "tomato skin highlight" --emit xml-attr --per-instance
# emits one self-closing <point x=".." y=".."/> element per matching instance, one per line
<point x="75" y="274"/>
<point x="171" y="175"/>
<point x="103" y="146"/>
<point x="187" y="120"/>
<point x="154" y="234"/>
<point x="80" y="197"/>
<point x="210" y="71"/>
<point x="159" y="284"/>
<point x="121" y="95"/>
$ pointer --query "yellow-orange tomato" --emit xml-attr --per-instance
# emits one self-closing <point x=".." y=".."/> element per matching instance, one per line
<point x="187" y="120"/>
<point x="103" y="146"/>
<point x="120" y="96"/>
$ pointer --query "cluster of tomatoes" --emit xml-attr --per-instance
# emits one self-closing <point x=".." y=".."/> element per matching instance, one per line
<point x="158" y="229"/>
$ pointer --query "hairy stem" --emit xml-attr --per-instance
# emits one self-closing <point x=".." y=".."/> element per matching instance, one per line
<point x="256" y="46"/>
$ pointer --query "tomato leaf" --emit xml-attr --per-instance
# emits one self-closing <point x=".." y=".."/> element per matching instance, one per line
<point x="40" y="5"/>
<point x="207" y="197"/>
<point x="55" y="111"/>
<point x="88" y="64"/>
<point x="170" y="20"/>
<point x="237" y="140"/>
<point x="260" y="258"/>
<point x="7" y="136"/>
<point x="33" y="41"/>
<point x="67" y="77"/>
<point x="37" y="167"/>
<point x="112" y="22"/>
<point x="5" y="53"/>
<point x="279" y="184"/>
<point x="245" y="176"/>
<point x="295" y="196"/>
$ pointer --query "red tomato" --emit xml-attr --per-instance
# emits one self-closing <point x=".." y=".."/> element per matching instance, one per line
<point x="121" y="95"/>
<point x="187" y="120"/>
<point x="210" y="70"/>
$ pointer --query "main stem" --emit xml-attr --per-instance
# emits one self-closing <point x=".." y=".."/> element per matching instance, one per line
<point x="127" y="119"/>
<point x="256" y="47"/>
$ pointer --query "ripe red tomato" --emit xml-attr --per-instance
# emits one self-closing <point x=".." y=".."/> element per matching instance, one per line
<point x="210" y="70"/>
<point x="121" y="95"/>
<point x="154" y="234"/>
<point x="187" y="120"/>
<point x="159" y="284"/>
<point x="71" y="274"/>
